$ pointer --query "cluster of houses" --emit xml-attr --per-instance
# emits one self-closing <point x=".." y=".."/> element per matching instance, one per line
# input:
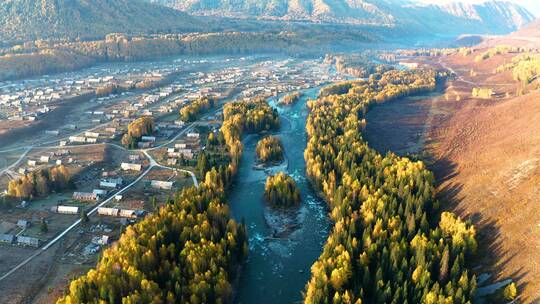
<point x="142" y="104"/>
<point x="53" y="158"/>
<point x="185" y="149"/>
<point x="105" y="186"/>
<point x="25" y="100"/>
<point x="19" y="239"/>
<point x="92" y="137"/>
<point x="116" y="212"/>
<point x="274" y="78"/>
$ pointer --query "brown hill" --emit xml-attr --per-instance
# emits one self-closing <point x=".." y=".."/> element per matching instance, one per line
<point x="528" y="36"/>
<point x="486" y="157"/>
<point x="488" y="162"/>
<point x="531" y="30"/>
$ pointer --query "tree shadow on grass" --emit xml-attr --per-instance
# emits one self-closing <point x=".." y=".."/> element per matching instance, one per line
<point x="491" y="257"/>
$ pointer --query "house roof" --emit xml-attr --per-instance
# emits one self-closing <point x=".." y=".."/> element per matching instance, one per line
<point x="7" y="238"/>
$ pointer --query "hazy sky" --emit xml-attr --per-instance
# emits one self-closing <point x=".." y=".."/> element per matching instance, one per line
<point x="531" y="5"/>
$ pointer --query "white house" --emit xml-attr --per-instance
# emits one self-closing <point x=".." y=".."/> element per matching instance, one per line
<point x="77" y="139"/>
<point x="107" y="184"/>
<point x="163" y="185"/>
<point x="100" y="192"/>
<point x="132" y="167"/>
<point x="65" y="209"/>
<point x="85" y="196"/>
<point x="91" y="134"/>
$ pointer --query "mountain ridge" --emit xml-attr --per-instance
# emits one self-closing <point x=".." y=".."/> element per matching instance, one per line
<point x="494" y="17"/>
<point x="39" y="19"/>
<point x="532" y="30"/>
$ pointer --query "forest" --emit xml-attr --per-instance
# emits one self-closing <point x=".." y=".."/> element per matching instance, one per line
<point x="138" y="128"/>
<point x="499" y="50"/>
<point x="254" y="116"/>
<point x="464" y="51"/>
<point x="51" y="57"/>
<point x="190" y="250"/>
<point x="42" y="57"/>
<point x="269" y="149"/>
<point x="40" y="183"/>
<point x="280" y="191"/>
<point x="290" y="99"/>
<point x="357" y="65"/>
<point x="390" y="242"/>
<point x="195" y="108"/>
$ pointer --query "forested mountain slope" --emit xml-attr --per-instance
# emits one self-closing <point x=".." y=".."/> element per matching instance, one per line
<point x="24" y="20"/>
<point x="38" y="19"/>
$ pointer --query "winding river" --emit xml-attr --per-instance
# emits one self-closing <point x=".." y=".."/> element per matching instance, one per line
<point x="282" y="246"/>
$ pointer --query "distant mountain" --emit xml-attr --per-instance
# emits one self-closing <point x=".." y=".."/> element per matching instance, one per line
<point x="346" y="11"/>
<point x="491" y="17"/>
<point x="530" y="31"/>
<point x="33" y="19"/>
<point x="501" y="15"/>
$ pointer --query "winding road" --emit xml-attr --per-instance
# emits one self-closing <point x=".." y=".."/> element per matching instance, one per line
<point x="27" y="150"/>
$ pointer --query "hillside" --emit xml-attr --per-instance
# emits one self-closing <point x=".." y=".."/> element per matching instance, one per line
<point x="532" y="30"/>
<point x="485" y="156"/>
<point x="33" y="19"/>
<point x="489" y="159"/>
<point x="527" y="37"/>
<point x="491" y="17"/>
<point x="312" y="10"/>
<point x="42" y="19"/>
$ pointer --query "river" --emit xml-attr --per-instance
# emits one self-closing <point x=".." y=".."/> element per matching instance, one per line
<point x="278" y="268"/>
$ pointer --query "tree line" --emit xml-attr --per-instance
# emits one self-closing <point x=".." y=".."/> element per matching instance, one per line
<point x="40" y="183"/>
<point x="291" y="98"/>
<point x="498" y="50"/>
<point x="138" y="128"/>
<point x="390" y="243"/>
<point x="357" y="65"/>
<point x="191" y="111"/>
<point x="463" y="51"/>
<point x="43" y="57"/>
<point x="525" y="67"/>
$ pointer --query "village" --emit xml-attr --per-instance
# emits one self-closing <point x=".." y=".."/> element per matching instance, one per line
<point x="113" y="186"/>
